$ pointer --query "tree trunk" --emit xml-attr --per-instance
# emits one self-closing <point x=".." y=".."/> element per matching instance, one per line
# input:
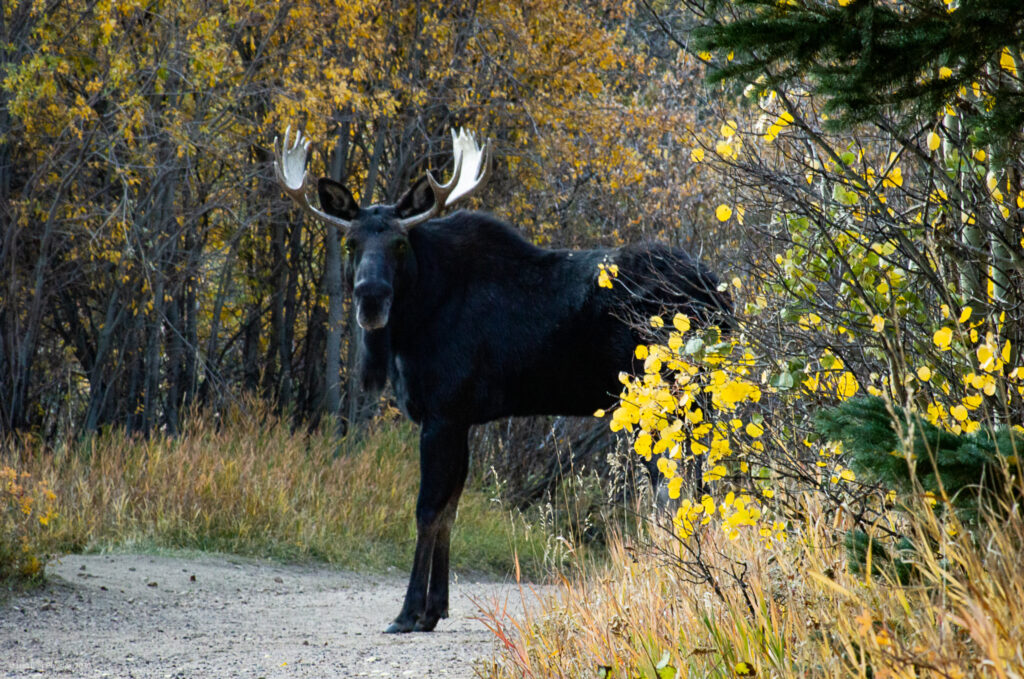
<point x="277" y="350"/>
<point x="334" y="288"/>
<point x="251" y="350"/>
<point x="100" y="379"/>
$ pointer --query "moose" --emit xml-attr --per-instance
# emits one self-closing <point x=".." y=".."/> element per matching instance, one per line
<point x="471" y="322"/>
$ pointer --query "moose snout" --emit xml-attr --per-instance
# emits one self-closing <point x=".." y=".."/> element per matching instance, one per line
<point x="373" y="303"/>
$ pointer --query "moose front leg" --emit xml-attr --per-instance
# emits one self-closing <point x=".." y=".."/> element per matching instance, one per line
<point x="444" y="462"/>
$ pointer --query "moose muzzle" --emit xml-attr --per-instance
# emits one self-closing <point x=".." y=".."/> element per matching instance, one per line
<point x="373" y="304"/>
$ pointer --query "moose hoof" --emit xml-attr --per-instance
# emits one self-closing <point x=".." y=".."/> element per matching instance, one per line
<point x="426" y="624"/>
<point x="401" y="627"/>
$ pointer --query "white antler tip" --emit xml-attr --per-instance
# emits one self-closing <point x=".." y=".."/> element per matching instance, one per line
<point x="290" y="169"/>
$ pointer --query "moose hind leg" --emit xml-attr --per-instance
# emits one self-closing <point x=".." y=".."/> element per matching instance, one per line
<point x="444" y="461"/>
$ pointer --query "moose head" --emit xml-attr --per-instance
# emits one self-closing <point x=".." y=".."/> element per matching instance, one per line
<point x="377" y="237"/>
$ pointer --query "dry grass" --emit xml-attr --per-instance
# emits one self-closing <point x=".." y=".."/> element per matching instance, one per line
<point x="252" y="486"/>
<point x="799" y="612"/>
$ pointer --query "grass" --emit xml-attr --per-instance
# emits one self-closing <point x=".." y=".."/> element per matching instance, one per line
<point x="254" y="487"/>
<point x="795" y="610"/>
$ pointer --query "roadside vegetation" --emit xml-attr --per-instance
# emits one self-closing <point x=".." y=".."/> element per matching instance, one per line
<point x="249" y="484"/>
<point x="796" y="609"/>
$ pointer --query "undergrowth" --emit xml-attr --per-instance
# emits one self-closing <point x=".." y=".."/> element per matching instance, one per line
<point x="798" y="609"/>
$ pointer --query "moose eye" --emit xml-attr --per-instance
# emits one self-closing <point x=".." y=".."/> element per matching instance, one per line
<point x="401" y="247"/>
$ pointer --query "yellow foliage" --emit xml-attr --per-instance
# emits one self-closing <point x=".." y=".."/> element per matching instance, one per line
<point x="27" y="508"/>
<point x="943" y="338"/>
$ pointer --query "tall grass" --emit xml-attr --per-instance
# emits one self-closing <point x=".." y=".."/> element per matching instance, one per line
<point x="252" y="486"/>
<point x="795" y="610"/>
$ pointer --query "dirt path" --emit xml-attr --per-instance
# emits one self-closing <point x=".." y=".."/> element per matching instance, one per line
<point x="219" y="617"/>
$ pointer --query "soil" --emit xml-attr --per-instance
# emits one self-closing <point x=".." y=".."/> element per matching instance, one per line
<point x="131" y="615"/>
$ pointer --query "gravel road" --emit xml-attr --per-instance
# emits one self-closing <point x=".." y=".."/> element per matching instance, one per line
<point x="131" y="615"/>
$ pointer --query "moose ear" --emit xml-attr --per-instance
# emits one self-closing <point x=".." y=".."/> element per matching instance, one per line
<point x="335" y="199"/>
<point x="417" y="200"/>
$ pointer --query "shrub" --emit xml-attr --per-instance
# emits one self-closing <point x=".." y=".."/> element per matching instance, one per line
<point x="27" y="506"/>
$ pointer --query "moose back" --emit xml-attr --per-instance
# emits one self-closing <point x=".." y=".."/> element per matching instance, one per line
<point x="470" y="322"/>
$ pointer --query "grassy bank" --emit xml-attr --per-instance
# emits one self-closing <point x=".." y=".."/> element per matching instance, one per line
<point x="248" y="486"/>
<point x="795" y="610"/>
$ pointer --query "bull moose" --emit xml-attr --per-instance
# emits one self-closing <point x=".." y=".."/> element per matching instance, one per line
<point x="471" y="322"/>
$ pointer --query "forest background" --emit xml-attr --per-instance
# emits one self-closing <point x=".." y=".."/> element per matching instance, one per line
<point x="852" y="168"/>
<point x="149" y="263"/>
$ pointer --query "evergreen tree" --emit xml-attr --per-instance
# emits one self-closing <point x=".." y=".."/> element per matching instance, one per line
<point x="907" y="58"/>
<point x="964" y="464"/>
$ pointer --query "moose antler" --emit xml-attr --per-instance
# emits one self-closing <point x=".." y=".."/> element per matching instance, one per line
<point x="290" y="168"/>
<point x="471" y="166"/>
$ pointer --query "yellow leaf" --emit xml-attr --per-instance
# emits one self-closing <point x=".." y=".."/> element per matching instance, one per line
<point x="707" y="503"/>
<point x="985" y="354"/>
<point x="723" y="212"/>
<point x="681" y="322"/>
<point x="1007" y="62"/>
<point x="846" y="386"/>
<point x="674" y="487"/>
<point x="924" y="373"/>
<point x="697" y="155"/>
<point x="877" y="323"/>
<point x="943" y="338"/>
<point x="965" y="313"/>
<point x="667" y="467"/>
<point x="716" y="473"/>
<point x="894" y="178"/>
<point x="933" y="141"/>
<point x="945" y="72"/>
